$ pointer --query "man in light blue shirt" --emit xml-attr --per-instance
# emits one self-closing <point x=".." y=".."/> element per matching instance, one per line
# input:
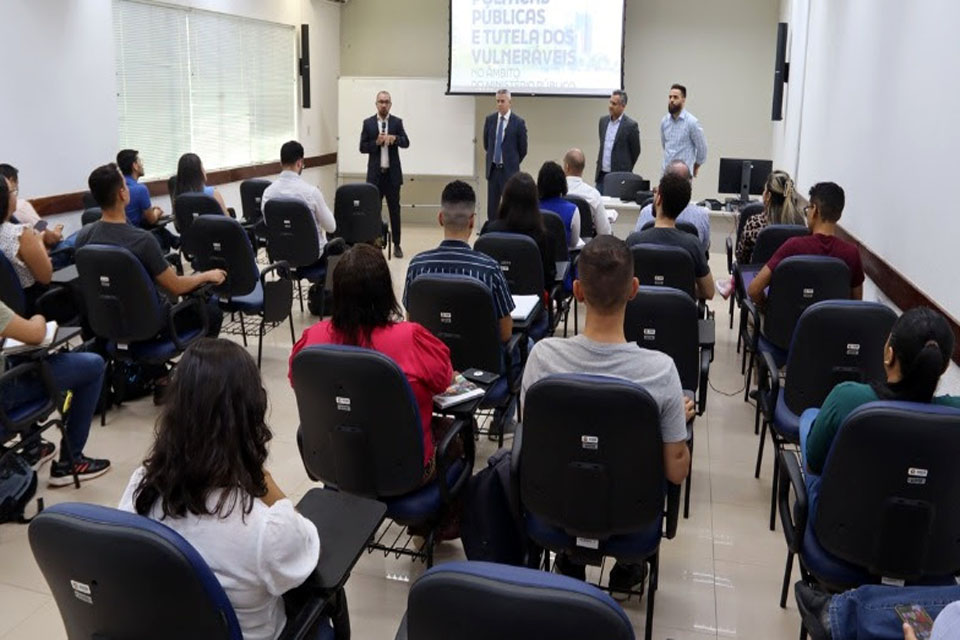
<point x="681" y="134"/>
<point x="692" y="214"/>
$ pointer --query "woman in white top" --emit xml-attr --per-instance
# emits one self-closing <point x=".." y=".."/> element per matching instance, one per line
<point x="204" y="478"/>
<point x="23" y="247"/>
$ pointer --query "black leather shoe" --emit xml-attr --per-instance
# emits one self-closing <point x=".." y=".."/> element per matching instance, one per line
<point x="397" y="251"/>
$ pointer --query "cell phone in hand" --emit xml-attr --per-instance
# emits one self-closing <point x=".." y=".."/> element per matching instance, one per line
<point x="918" y="618"/>
<point x="41" y="226"/>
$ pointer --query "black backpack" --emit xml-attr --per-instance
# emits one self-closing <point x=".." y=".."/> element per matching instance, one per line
<point x="18" y="485"/>
<point x="489" y="529"/>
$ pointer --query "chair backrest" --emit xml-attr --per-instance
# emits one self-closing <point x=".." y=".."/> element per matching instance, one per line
<point x="592" y="478"/>
<point x="89" y="201"/>
<point x="120" y="296"/>
<point x="587" y="228"/>
<point x="747" y="212"/>
<point x="623" y="185"/>
<point x="115" y="574"/>
<point x="91" y="215"/>
<point x="666" y="320"/>
<point x="660" y="265"/>
<point x="797" y="283"/>
<point x="682" y="226"/>
<point x="459" y="310"/>
<point x="772" y="237"/>
<point x="835" y="341"/>
<point x="519" y="258"/>
<point x="219" y="242"/>
<point x="356" y="208"/>
<point x="251" y="194"/>
<point x="11" y="293"/>
<point x="557" y="234"/>
<point x="360" y="424"/>
<point x="890" y="489"/>
<point x="517" y="603"/>
<point x="187" y="207"/>
<point x="291" y="232"/>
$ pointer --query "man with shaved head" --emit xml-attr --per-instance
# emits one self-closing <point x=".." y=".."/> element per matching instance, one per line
<point x="573" y="165"/>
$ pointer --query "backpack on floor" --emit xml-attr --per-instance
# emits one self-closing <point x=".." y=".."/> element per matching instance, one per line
<point x="488" y="528"/>
<point x="18" y="485"/>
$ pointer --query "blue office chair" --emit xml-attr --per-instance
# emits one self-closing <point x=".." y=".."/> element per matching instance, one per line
<point x="885" y="507"/>
<point x="519" y="259"/>
<point x="834" y="341"/>
<point x="115" y="574"/>
<point x="56" y="303"/>
<point x="514" y="602"/>
<point x="592" y="488"/>
<point x="657" y="265"/>
<point x="219" y="242"/>
<point x="360" y="432"/>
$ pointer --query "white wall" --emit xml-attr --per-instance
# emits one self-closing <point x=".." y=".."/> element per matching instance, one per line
<point x="60" y="112"/>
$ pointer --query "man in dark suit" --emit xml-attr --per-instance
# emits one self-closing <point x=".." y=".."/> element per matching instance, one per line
<point x="505" y="141"/>
<point x="619" y="139"/>
<point x="381" y="138"/>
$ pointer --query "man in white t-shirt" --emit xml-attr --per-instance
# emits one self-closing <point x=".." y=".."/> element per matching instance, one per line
<point x="604" y="286"/>
<point x="573" y="165"/>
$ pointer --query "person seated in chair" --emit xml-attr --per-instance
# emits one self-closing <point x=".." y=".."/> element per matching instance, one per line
<point x="573" y="165"/>
<point x="110" y="191"/>
<point x="366" y="314"/>
<point x="81" y="373"/>
<point x="781" y="205"/>
<point x="455" y="256"/>
<point x="221" y="498"/>
<point x="671" y="198"/>
<point x="24" y="249"/>
<point x="692" y="213"/>
<point x="191" y="178"/>
<point x="552" y="187"/>
<point x="140" y="211"/>
<point x="823" y="213"/>
<point x="604" y="286"/>
<point x="25" y="214"/>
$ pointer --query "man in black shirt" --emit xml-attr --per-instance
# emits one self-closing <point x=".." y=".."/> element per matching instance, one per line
<point x="111" y="193"/>
<point x="672" y="197"/>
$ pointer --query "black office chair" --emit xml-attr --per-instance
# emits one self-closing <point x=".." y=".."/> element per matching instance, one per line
<point x="623" y="185"/>
<point x="587" y="228"/>
<point x="519" y="259"/>
<point x="560" y="295"/>
<point x="57" y="303"/>
<point x="115" y="574"/>
<point x="660" y="265"/>
<point x="834" y="341"/>
<point x="219" y="242"/>
<point x="590" y="488"/>
<point x="517" y="603"/>
<point x="91" y="215"/>
<point x="187" y="207"/>
<point x="682" y="226"/>
<point x="887" y="505"/>
<point x="292" y="237"/>
<point x="356" y="208"/>
<point x="459" y="310"/>
<point x="361" y="433"/>
<point x="666" y="320"/>
<point x="127" y="313"/>
<point x="796" y="283"/>
<point x="251" y="194"/>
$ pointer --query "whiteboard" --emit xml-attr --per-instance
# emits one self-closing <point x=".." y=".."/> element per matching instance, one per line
<point x="440" y="127"/>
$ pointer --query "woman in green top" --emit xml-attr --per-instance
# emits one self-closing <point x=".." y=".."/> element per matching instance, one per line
<point x="917" y="353"/>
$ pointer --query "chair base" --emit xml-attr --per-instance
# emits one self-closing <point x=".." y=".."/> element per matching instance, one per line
<point x="388" y="542"/>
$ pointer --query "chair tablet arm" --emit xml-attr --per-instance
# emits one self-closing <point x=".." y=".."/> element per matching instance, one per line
<point x="443" y="447"/>
<point x="673" y="511"/>
<point x="729" y="254"/>
<point x="64" y="251"/>
<point x="706" y="355"/>
<point x="189" y="301"/>
<point x="308" y="616"/>
<point x="792" y="477"/>
<point x="706" y="332"/>
<point x="768" y="383"/>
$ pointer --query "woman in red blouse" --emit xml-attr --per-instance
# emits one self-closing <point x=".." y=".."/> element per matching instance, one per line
<point x="366" y="314"/>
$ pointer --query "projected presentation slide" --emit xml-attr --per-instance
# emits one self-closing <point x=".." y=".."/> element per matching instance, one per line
<point x="558" y="47"/>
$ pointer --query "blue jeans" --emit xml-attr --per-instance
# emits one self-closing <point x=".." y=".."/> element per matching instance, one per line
<point x="810" y="479"/>
<point x="61" y="260"/>
<point x="868" y="611"/>
<point x="79" y="372"/>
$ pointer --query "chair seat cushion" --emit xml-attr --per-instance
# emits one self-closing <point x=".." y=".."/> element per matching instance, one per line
<point x="313" y="273"/>
<point x="30" y="412"/>
<point x="786" y="422"/>
<point x="157" y="350"/>
<point x="251" y="303"/>
<point x="630" y="547"/>
<point x="420" y="505"/>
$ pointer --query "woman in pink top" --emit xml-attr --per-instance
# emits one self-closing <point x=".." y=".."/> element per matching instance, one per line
<point x="366" y="314"/>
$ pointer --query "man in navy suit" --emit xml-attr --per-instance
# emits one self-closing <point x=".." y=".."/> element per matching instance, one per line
<point x="381" y="138"/>
<point x="505" y="141"/>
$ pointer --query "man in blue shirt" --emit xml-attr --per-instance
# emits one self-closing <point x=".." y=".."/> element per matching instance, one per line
<point x="681" y="134"/>
<point x="140" y="211"/>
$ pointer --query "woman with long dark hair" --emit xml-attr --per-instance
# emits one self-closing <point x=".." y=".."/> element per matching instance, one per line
<point x="191" y="178"/>
<point x="917" y="353"/>
<point x="552" y="187"/>
<point x="205" y="478"/>
<point x="366" y="314"/>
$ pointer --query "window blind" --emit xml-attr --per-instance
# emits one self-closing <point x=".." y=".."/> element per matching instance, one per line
<point x="221" y="86"/>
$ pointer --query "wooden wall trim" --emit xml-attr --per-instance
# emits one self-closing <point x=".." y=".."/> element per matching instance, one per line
<point x="897" y="288"/>
<point x="64" y="202"/>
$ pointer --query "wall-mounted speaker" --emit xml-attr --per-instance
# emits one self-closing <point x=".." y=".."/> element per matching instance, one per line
<point x="305" y="65"/>
<point x="781" y="72"/>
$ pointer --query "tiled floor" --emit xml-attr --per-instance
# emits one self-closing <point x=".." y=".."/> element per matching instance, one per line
<point x="720" y="576"/>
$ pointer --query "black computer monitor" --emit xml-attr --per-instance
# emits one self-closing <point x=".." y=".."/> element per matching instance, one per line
<point x="743" y="176"/>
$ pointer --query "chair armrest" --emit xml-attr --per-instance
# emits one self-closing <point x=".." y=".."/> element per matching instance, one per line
<point x="706" y="355"/>
<point x="446" y="492"/>
<point x="707" y="332"/>
<point x="794" y="520"/>
<point x="297" y="628"/>
<point x="63" y="251"/>
<point x="672" y="514"/>
<point x="729" y="254"/>
<point x="334" y="247"/>
<point x="54" y="301"/>
<point x="752" y="312"/>
<point x="509" y="347"/>
<point x="768" y="384"/>
<point x="189" y="301"/>
<point x="514" y="498"/>
<point x="282" y="267"/>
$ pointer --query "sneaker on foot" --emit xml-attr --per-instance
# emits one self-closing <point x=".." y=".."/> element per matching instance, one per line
<point x="87" y="469"/>
<point x="625" y="578"/>
<point x="397" y="251"/>
<point x="39" y="453"/>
